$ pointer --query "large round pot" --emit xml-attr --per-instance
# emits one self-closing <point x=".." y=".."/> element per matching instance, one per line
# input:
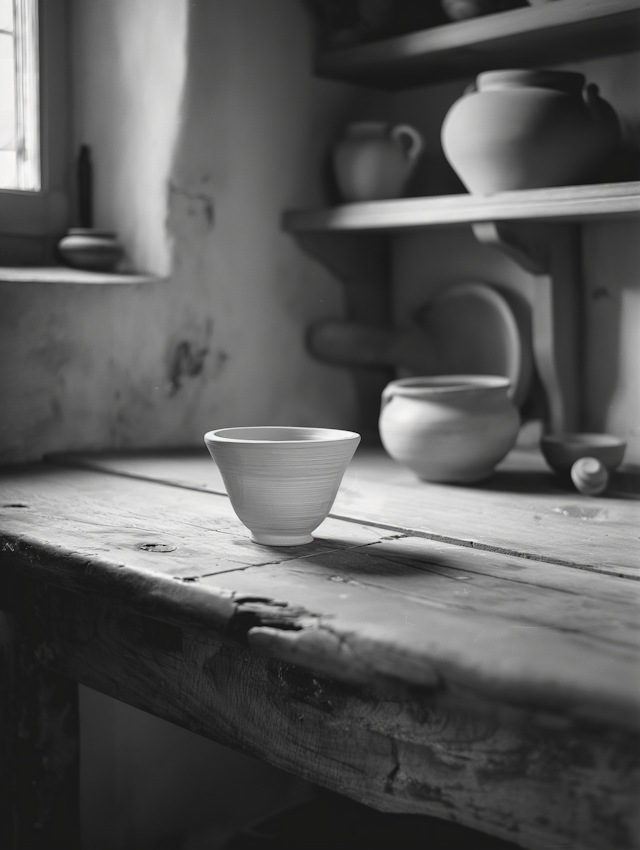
<point x="452" y="428"/>
<point x="527" y="129"/>
<point x="373" y="161"/>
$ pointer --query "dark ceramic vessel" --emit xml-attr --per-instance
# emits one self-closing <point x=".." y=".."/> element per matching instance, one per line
<point x="90" y="249"/>
<point x="459" y="10"/>
<point x="562" y="451"/>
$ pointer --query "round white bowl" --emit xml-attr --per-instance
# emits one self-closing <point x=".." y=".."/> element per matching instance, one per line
<point x="282" y="481"/>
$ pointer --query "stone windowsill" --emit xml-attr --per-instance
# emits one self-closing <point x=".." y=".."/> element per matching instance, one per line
<point x="64" y="274"/>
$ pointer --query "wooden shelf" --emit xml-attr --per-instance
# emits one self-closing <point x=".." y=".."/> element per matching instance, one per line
<point x="606" y="201"/>
<point x="558" y="32"/>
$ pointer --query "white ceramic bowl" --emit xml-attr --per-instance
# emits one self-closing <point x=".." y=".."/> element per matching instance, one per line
<point x="282" y="481"/>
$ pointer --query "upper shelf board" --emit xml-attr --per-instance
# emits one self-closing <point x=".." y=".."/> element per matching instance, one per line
<point x="603" y="201"/>
<point x="555" y="32"/>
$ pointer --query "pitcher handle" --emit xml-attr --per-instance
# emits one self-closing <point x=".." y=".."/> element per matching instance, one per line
<point x="602" y="112"/>
<point x="416" y="143"/>
<point x="387" y="395"/>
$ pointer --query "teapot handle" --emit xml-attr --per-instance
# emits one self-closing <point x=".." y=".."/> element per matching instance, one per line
<point x="416" y="144"/>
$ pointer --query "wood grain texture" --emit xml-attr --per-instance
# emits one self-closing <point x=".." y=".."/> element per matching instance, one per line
<point x="596" y="202"/>
<point x="524" y="509"/>
<point x="360" y="602"/>
<point x="396" y="747"/>
<point x="545" y="34"/>
<point x="116" y="536"/>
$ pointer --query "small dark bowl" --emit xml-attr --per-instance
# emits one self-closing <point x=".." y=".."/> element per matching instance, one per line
<point x="561" y="451"/>
<point x="90" y="249"/>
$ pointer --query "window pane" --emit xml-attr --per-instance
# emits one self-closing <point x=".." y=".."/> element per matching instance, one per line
<point x="6" y="15"/>
<point x="19" y="96"/>
<point x="7" y="94"/>
<point x="8" y="169"/>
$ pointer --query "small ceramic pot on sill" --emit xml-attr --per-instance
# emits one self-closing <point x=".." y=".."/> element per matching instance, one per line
<point x="91" y="249"/>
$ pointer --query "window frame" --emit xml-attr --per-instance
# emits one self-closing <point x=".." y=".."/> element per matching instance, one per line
<point x="31" y="222"/>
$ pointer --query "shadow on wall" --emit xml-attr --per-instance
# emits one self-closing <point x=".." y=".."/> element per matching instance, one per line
<point x="207" y="126"/>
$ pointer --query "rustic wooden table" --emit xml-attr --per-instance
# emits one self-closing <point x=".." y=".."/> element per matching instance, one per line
<point x="469" y="653"/>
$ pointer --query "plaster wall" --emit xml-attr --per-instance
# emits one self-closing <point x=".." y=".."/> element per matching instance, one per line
<point x="204" y="123"/>
<point x="426" y="261"/>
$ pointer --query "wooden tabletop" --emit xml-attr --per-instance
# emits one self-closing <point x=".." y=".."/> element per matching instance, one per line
<point x="518" y="594"/>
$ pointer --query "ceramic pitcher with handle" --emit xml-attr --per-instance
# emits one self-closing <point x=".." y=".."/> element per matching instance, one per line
<point x="373" y="161"/>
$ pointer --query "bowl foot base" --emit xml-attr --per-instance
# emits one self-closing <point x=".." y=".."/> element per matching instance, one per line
<point x="281" y="539"/>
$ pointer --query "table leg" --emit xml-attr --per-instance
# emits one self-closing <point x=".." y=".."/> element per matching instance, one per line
<point x="39" y="758"/>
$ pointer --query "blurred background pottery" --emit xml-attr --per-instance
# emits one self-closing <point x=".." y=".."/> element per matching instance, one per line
<point x="452" y="428"/>
<point x="345" y="23"/>
<point x="458" y="10"/>
<point x="85" y="247"/>
<point x="561" y="451"/>
<point x="589" y="476"/>
<point x="374" y="160"/>
<point x="282" y="481"/>
<point x="90" y="249"/>
<point x="479" y="329"/>
<point x="467" y="328"/>
<point x="529" y="129"/>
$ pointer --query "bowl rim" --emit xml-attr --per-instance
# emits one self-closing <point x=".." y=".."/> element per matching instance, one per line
<point x="445" y="384"/>
<point x="314" y="436"/>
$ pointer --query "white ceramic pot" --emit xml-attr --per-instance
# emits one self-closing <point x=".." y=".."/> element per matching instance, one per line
<point x="374" y="161"/>
<point x="527" y="129"/>
<point x="453" y="428"/>
<point x="282" y="481"/>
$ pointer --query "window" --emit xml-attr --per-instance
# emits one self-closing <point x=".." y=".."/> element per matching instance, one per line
<point x="19" y="96"/>
<point x="35" y="160"/>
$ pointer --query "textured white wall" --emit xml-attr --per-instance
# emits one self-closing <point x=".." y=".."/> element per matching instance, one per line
<point x="205" y="123"/>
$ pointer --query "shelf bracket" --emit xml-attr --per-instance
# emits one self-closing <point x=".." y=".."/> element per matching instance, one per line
<point x="550" y="254"/>
<point x="361" y="262"/>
